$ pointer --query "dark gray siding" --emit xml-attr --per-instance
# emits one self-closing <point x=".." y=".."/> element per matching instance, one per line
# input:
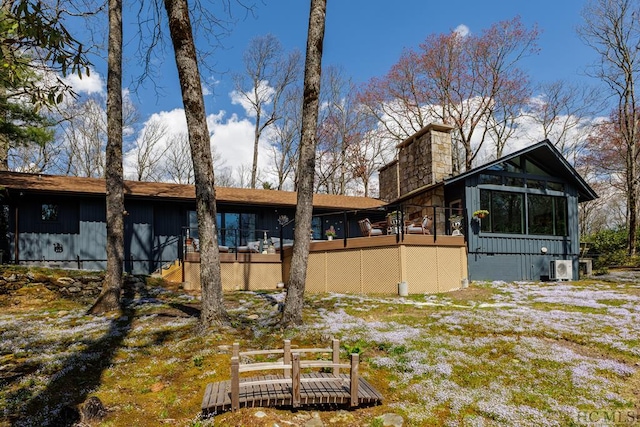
<point x="518" y="256"/>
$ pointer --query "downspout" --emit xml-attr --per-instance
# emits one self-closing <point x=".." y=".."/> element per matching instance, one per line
<point x="16" y="237"/>
<point x="398" y="177"/>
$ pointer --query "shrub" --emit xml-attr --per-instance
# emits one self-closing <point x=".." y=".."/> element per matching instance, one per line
<point x="609" y="247"/>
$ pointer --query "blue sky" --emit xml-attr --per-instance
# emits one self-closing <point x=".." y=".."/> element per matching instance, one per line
<point x="365" y="38"/>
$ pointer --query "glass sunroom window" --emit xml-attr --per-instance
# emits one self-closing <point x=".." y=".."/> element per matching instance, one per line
<point x="506" y="212"/>
<point x="547" y="215"/>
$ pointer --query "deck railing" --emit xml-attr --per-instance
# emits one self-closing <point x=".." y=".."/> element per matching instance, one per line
<point x="291" y="365"/>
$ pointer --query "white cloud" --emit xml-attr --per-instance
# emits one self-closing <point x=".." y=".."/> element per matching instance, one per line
<point x="265" y="93"/>
<point x="232" y="138"/>
<point x="87" y="84"/>
<point x="233" y="141"/>
<point x="462" y="30"/>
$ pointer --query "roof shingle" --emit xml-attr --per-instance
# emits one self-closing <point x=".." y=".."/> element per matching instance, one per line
<point x="95" y="186"/>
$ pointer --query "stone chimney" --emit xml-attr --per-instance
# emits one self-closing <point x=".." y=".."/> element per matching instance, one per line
<point x="423" y="159"/>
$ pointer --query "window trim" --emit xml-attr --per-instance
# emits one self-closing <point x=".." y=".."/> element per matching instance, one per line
<point x="555" y="195"/>
<point x="56" y="210"/>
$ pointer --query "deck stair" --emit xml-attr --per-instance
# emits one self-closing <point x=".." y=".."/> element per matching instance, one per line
<point x="295" y="386"/>
<point x="171" y="272"/>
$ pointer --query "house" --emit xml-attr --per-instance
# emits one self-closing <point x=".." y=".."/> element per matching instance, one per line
<point x="531" y="232"/>
<point x="532" y="196"/>
<point x="61" y="221"/>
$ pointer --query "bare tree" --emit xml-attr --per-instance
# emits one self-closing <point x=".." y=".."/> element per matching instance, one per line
<point x="213" y="311"/>
<point x="178" y="166"/>
<point x="150" y="151"/>
<point x="612" y="29"/>
<point x="268" y="74"/>
<point x="563" y="113"/>
<point x="292" y="313"/>
<point x="283" y="141"/>
<point x="243" y="172"/>
<point x="457" y="79"/>
<point x="35" y="158"/>
<point x="109" y="298"/>
<point x="367" y="156"/>
<point x="340" y="127"/>
<point x="85" y="139"/>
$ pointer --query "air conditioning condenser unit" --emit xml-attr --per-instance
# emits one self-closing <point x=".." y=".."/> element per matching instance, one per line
<point x="561" y="269"/>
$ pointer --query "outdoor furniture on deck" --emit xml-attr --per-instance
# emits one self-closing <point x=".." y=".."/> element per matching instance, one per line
<point x="423" y="226"/>
<point x="250" y="247"/>
<point x="368" y="229"/>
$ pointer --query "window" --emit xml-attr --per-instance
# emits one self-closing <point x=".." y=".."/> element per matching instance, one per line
<point x="536" y="184"/>
<point x="546" y="215"/>
<point x="234" y="229"/>
<point x="506" y="212"/>
<point x="49" y="212"/>
<point x="485" y="178"/>
<point x="555" y="186"/>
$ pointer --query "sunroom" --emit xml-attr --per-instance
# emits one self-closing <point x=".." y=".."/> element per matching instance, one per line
<point x="531" y="230"/>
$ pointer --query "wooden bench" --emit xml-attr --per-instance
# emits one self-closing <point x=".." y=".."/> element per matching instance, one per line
<point x="296" y="385"/>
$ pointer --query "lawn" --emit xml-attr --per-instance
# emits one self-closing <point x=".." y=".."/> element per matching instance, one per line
<point x="493" y="354"/>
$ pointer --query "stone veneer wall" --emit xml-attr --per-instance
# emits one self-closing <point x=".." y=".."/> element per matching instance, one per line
<point x="435" y="197"/>
<point x="425" y="159"/>
<point x="388" y="181"/>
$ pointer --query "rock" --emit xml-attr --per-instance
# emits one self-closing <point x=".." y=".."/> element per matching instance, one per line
<point x="315" y="421"/>
<point x="92" y="410"/>
<point x="260" y="414"/>
<point x="65" y="281"/>
<point x="253" y="317"/>
<point x="157" y="387"/>
<point x="342" y="418"/>
<point x="391" y="420"/>
<point x="11" y="278"/>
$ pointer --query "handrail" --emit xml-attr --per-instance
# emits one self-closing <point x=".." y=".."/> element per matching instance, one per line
<point x="291" y="365"/>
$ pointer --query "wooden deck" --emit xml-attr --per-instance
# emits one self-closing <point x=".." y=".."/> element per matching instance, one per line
<point x="325" y="389"/>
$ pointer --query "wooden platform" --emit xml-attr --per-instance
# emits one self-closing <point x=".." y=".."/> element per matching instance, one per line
<point x="315" y="388"/>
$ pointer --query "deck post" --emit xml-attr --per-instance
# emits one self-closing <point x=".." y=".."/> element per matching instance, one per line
<point x="235" y="383"/>
<point x="295" y="383"/>
<point x="235" y="352"/>
<point x="336" y="356"/>
<point x="354" y="379"/>
<point x="286" y="359"/>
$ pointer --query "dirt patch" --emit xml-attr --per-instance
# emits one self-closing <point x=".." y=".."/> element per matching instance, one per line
<point x="28" y="298"/>
<point x="472" y="293"/>
<point x="632" y="390"/>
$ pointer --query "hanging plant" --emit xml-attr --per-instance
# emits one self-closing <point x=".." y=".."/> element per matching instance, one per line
<point x="481" y="213"/>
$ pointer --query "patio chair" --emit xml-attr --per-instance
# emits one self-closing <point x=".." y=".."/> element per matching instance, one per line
<point x="367" y="229"/>
<point x="421" y="227"/>
<point x="250" y="247"/>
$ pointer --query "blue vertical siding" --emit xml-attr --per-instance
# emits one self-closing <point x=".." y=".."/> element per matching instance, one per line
<point x="493" y="256"/>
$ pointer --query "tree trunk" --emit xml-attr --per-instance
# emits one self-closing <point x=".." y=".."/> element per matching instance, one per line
<point x="109" y="298"/>
<point x="186" y="60"/>
<point x="256" y="144"/>
<point x="292" y="314"/>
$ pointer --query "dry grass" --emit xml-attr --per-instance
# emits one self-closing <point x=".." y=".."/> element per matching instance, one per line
<point x="492" y="354"/>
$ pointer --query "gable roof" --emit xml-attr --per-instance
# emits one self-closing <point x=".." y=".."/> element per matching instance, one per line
<point x="543" y="153"/>
<point x="55" y="184"/>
